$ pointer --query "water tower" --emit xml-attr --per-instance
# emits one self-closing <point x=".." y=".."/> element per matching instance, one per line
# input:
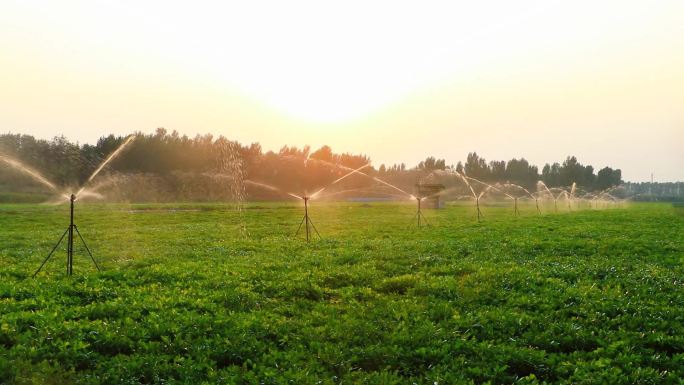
<point x="429" y="192"/>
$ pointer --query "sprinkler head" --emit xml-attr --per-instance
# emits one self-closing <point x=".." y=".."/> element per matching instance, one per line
<point x="73" y="197"/>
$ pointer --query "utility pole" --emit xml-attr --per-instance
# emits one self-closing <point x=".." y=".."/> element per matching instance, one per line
<point x="650" y="187"/>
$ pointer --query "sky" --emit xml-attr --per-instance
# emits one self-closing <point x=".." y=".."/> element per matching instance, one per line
<point x="398" y="81"/>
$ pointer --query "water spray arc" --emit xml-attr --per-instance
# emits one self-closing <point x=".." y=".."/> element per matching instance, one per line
<point x="69" y="234"/>
<point x="477" y="197"/>
<point x="35" y="175"/>
<point x="543" y="185"/>
<point x="516" y="196"/>
<point x="104" y="163"/>
<point x="419" y="213"/>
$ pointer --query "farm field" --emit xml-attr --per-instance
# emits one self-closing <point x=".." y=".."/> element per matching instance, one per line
<point x="206" y="293"/>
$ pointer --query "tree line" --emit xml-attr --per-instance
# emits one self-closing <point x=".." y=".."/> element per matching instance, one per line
<point x="655" y="191"/>
<point x="521" y="172"/>
<point x="168" y="166"/>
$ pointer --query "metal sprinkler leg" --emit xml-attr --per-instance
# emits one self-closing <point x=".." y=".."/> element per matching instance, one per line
<point x="306" y="217"/>
<point x="300" y="226"/>
<point x="315" y="229"/>
<point x="70" y="239"/>
<point x="516" y="207"/>
<point x="413" y="219"/>
<point x="424" y="219"/>
<point x="87" y="249"/>
<point x="419" y="213"/>
<point x="51" y="252"/>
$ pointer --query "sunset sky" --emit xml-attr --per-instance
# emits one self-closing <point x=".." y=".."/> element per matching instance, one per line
<point x="602" y="80"/>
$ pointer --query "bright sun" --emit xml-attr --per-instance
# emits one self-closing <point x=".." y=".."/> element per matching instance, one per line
<point x="314" y="60"/>
<point x="310" y="60"/>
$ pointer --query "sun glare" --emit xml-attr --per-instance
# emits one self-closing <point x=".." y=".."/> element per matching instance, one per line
<point x="351" y="60"/>
<point x="331" y="72"/>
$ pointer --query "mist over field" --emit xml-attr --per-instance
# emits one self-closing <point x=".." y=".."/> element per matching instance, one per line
<point x="169" y="167"/>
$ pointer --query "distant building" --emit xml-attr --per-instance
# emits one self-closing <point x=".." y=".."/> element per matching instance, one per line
<point x="430" y="194"/>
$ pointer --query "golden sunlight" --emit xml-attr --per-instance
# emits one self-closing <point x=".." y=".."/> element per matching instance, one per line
<point x="273" y="71"/>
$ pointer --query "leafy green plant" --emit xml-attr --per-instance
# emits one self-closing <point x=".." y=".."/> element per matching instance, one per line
<point x="187" y="297"/>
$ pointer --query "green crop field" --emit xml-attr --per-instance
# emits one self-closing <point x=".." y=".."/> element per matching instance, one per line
<point x="206" y="293"/>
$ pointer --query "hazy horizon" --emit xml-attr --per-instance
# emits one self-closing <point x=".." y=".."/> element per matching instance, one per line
<point x="398" y="82"/>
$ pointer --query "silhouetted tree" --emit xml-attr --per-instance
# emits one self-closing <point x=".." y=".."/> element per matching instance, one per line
<point x="476" y="167"/>
<point x="607" y="177"/>
<point x="431" y="164"/>
<point x="498" y="170"/>
<point x="180" y="167"/>
<point x="522" y="173"/>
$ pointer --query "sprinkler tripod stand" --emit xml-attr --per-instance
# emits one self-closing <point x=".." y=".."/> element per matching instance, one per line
<point x="419" y="214"/>
<point x="306" y="221"/>
<point x="516" y="211"/>
<point x="69" y="233"/>
<point x="477" y="205"/>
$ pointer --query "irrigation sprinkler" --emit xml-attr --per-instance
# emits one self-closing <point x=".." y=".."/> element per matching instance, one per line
<point x="419" y="214"/>
<point x="477" y="207"/>
<point x="307" y="222"/>
<point x="69" y="234"/>
<point x="477" y="197"/>
<point x="515" y="205"/>
<point x="430" y="193"/>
